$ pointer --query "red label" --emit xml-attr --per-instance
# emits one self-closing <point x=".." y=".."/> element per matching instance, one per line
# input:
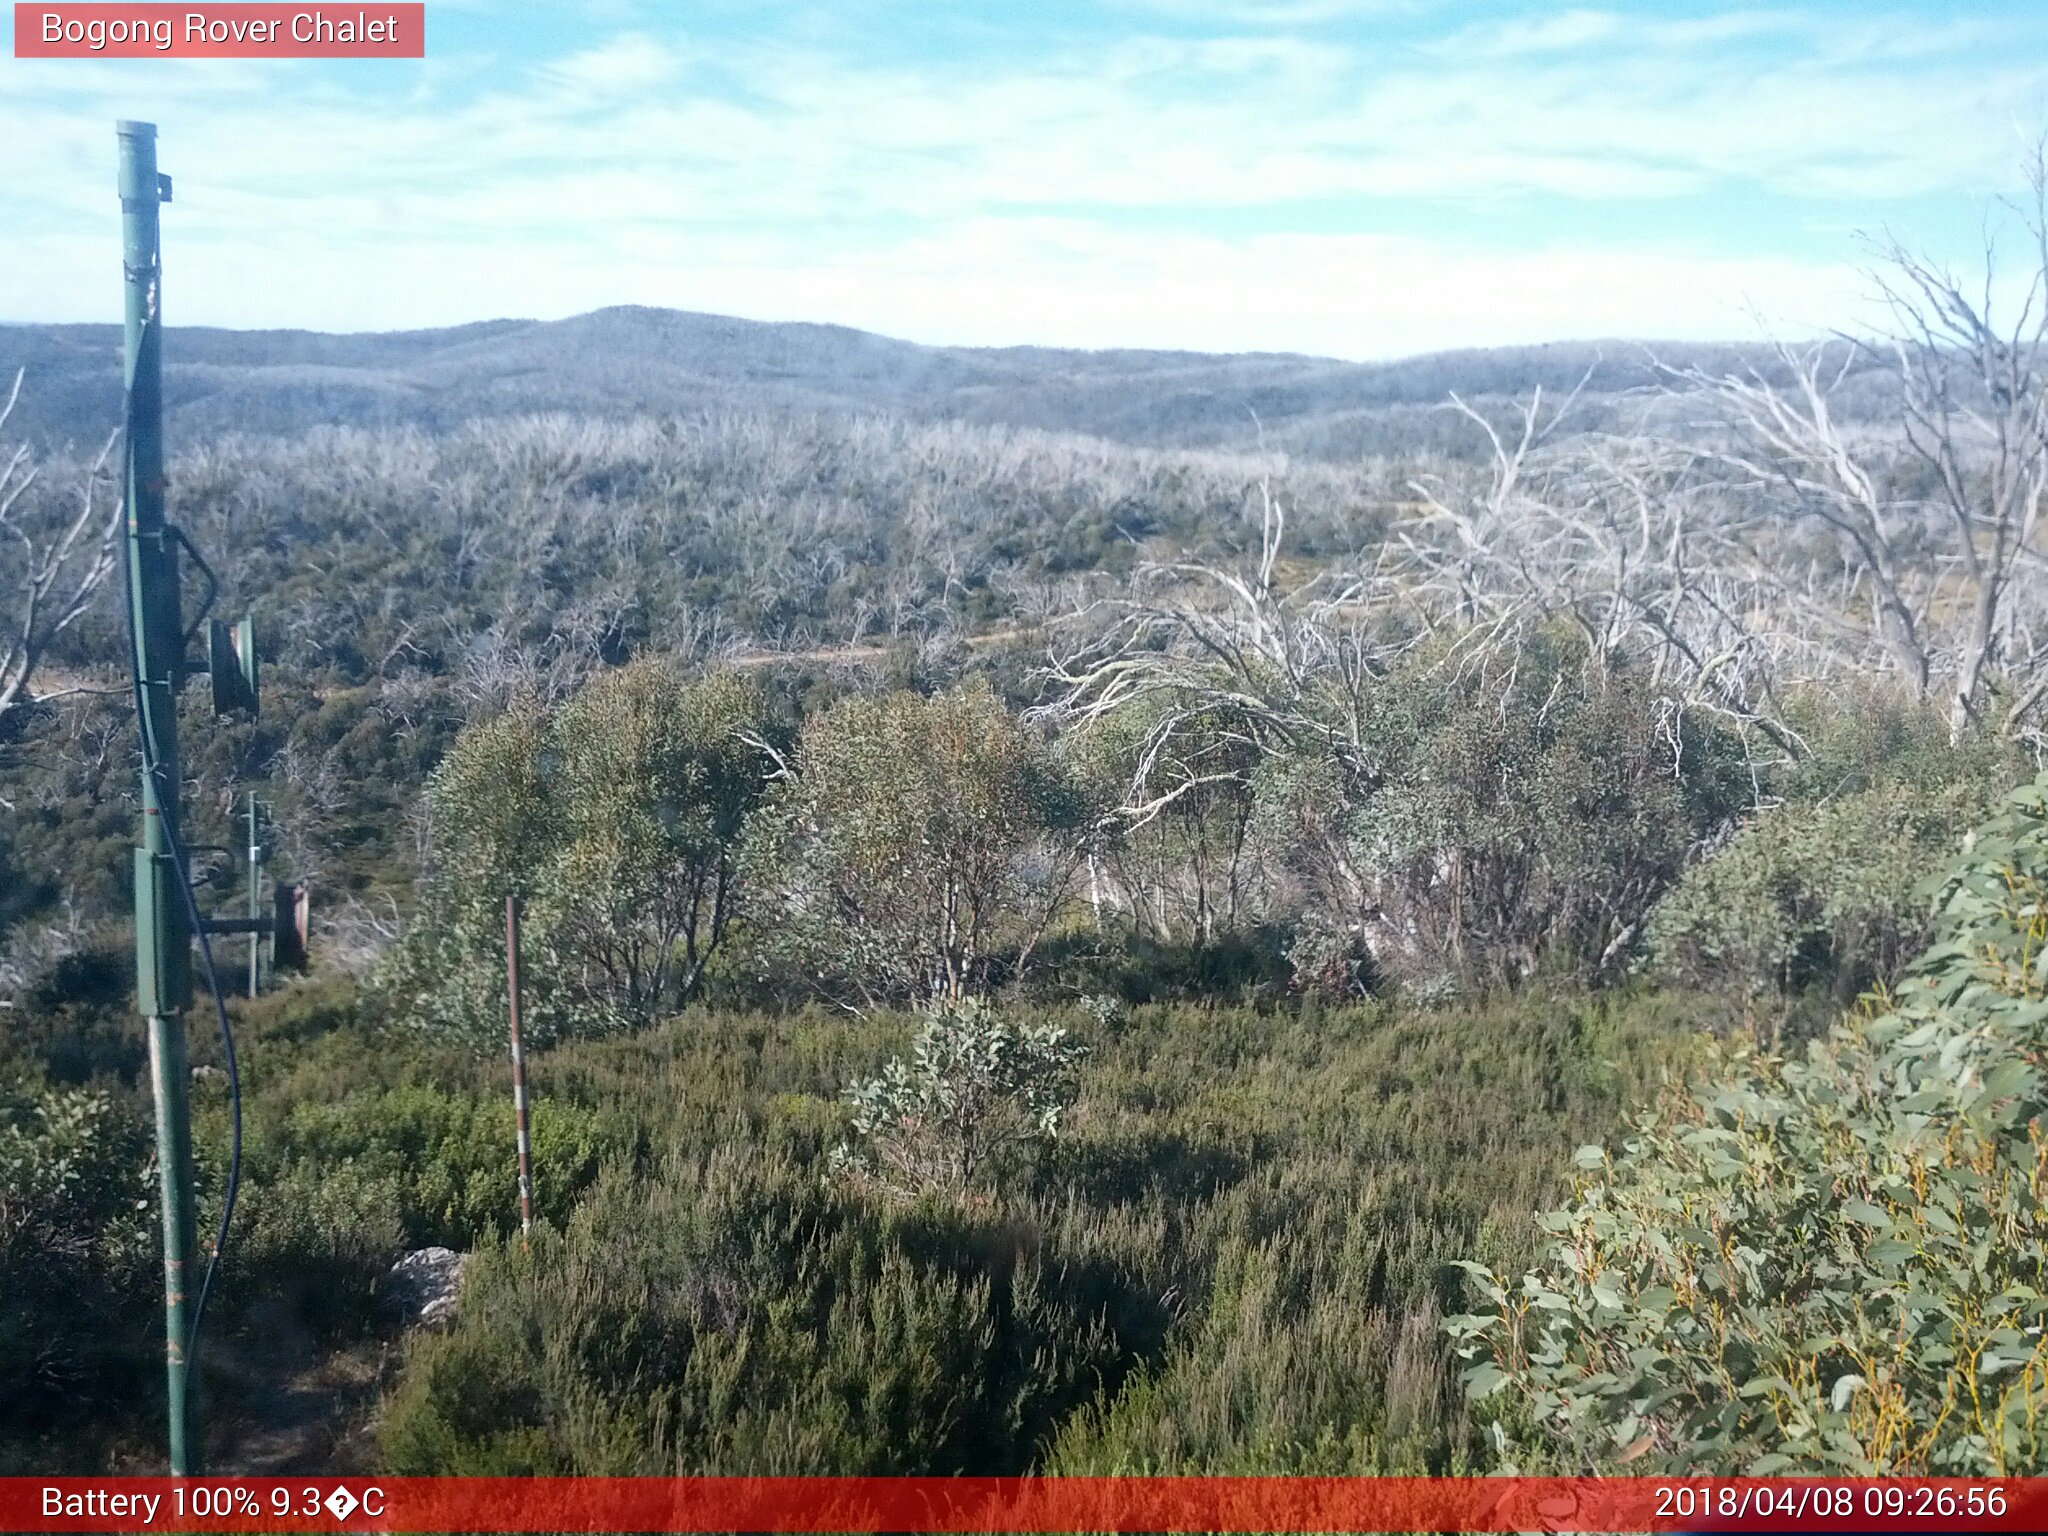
<point x="1028" y="1504"/>
<point x="236" y="31"/>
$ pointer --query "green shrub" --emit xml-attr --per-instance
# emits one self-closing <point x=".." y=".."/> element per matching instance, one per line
<point x="1168" y="781"/>
<point x="445" y="1160"/>
<point x="74" y="1021"/>
<point x="1865" y="733"/>
<point x="1819" y="1265"/>
<point x="1502" y="821"/>
<point x="736" y="1316"/>
<point x="1270" y="1379"/>
<point x="1812" y="897"/>
<point x="1117" y="964"/>
<point x="916" y="843"/>
<point x="975" y="1092"/>
<point x="1232" y="1257"/>
<point x="78" y="1271"/>
<point x="309" y="1248"/>
<point x="1812" y="902"/>
<point x="73" y="1178"/>
<point x="616" y="817"/>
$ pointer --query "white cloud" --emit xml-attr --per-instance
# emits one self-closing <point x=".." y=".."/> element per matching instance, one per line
<point x="1579" y="29"/>
<point x="1272" y="13"/>
<point x="1563" y="31"/>
<point x="629" y="63"/>
<point x="1064" y="197"/>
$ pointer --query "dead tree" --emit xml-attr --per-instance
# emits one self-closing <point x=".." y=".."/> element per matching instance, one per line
<point x="1778" y="543"/>
<point x="1934" y="524"/>
<point x="1224" y="667"/>
<point x="1619" y="535"/>
<point x="62" y="561"/>
<point x="1222" y="651"/>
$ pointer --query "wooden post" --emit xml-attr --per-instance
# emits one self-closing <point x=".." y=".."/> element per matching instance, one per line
<point x="518" y="1067"/>
<point x="255" y="900"/>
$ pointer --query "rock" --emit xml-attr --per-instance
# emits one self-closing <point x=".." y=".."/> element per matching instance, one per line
<point x="420" y="1289"/>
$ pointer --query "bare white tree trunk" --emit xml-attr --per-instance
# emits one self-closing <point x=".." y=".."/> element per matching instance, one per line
<point x="61" y="564"/>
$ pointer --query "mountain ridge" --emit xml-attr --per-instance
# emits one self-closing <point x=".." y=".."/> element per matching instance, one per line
<point x="633" y="360"/>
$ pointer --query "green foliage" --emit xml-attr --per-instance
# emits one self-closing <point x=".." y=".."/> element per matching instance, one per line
<point x="441" y="1160"/>
<point x="73" y="1022"/>
<point x="1328" y="1165"/>
<point x="656" y="777"/>
<point x="1277" y="1378"/>
<point x="1230" y="1258"/>
<point x="975" y="1091"/>
<point x="76" y="1262"/>
<point x="1812" y="896"/>
<point x="1860" y="735"/>
<point x="1506" y="819"/>
<point x="1818" y="895"/>
<point x="311" y="1241"/>
<point x="912" y="846"/>
<point x="1820" y="1265"/>
<point x="616" y="818"/>
<point x="364" y="1140"/>
<point x="1174" y="855"/>
<point x="735" y="1316"/>
<point x="490" y="818"/>
<point x="1214" y="1266"/>
<point x="72" y="1179"/>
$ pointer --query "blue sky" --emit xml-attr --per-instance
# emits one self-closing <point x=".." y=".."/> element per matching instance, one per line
<point x="1359" y="178"/>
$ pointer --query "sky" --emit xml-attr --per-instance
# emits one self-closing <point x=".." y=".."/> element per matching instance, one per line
<point x="1352" y="178"/>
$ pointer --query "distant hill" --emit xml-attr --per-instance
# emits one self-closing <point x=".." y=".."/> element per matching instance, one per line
<point x="628" y="361"/>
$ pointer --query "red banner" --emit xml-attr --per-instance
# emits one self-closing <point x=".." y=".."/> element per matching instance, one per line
<point x="1045" y="1504"/>
<point x="213" y="31"/>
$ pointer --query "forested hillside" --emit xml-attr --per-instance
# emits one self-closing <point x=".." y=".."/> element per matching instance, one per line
<point x="1076" y="905"/>
<point x="619" y="363"/>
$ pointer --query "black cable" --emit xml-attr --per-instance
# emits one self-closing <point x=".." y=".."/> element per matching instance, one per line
<point x="167" y="817"/>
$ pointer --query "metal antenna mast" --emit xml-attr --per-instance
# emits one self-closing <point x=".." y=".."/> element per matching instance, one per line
<point x="163" y="958"/>
<point x="167" y="916"/>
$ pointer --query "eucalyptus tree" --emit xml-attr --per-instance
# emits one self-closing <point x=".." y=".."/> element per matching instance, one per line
<point x="616" y="816"/>
<point x="912" y="847"/>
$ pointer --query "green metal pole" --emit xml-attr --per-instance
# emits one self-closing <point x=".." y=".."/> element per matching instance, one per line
<point x="163" y="958"/>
